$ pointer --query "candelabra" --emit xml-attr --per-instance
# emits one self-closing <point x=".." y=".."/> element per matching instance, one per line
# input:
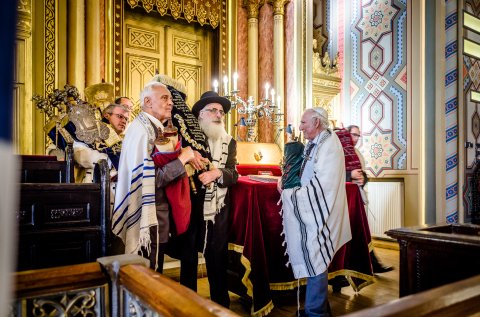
<point x="250" y="112"/>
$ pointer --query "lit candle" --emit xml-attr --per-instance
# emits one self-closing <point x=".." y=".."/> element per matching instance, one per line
<point x="267" y="87"/>
<point x="250" y="99"/>
<point x="279" y="103"/>
<point x="272" y="92"/>
<point x="225" y="85"/>
<point x="215" y="86"/>
<point x="235" y="78"/>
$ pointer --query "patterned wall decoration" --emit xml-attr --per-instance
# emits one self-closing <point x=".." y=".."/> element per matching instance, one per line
<point x="471" y="82"/>
<point x="203" y="12"/>
<point x="378" y="81"/>
<point x="49" y="46"/>
<point x="451" y="135"/>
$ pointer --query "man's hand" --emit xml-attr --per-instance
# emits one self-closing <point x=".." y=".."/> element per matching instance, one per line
<point x="199" y="162"/>
<point x="186" y="155"/>
<point x="357" y="177"/>
<point x="279" y="185"/>
<point x="210" y="176"/>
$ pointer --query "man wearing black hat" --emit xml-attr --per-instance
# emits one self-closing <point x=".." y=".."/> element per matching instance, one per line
<point x="210" y="111"/>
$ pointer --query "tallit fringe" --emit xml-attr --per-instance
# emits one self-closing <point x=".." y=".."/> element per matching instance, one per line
<point x="298" y="297"/>
<point x="145" y="240"/>
<point x="205" y="239"/>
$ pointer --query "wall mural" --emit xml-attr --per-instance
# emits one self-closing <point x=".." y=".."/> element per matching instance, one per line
<point x="379" y="81"/>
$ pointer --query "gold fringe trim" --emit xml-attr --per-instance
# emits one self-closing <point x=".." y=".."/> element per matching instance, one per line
<point x="349" y="274"/>
<point x="246" y="264"/>
<point x="235" y="247"/>
<point x="167" y="80"/>
<point x="286" y="286"/>
<point x="267" y="309"/>
<point x="370" y="246"/>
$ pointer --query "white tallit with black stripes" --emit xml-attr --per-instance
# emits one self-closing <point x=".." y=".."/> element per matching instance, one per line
<point x="315" y="215"/>
<point x="214" y="195"/>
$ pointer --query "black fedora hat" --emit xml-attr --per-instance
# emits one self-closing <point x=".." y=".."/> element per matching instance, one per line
<point x="210" y="97"/>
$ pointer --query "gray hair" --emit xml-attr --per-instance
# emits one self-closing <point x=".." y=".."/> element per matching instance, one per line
<point x="320" y="113"/>
<point x="148" y="89"/>
<point x="352" y="126"/>
<point x="109" y="109"/>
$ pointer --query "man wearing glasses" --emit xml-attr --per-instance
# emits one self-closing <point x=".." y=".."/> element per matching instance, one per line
<point x="118" y="116"/>
<point x="208" y="230"/>
<point x="86" y="156"/>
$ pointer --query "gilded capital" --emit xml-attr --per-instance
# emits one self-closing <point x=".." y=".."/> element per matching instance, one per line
<point x="278" y="6"/>
<point x="253" y="6"/>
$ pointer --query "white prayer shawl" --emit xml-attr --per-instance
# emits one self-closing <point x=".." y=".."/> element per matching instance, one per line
<point x="315" y="215"/>
<point x="214" y="195"/>
<point x="135" y="212"/>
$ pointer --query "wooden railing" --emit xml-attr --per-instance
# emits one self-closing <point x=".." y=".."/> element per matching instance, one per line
<point x="456" y="299"/>
<point x="64" y="290"/>
<point x="165" y="296"/>
<point x="111" y="290"/>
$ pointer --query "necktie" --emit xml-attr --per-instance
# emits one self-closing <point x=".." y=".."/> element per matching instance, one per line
<point x="310" y="147"/>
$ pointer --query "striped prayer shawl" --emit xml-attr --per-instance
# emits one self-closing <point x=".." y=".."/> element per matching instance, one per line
<point x="315" y="215"/>
<point x="214" y="195"/>
<point x="135" y="212"/>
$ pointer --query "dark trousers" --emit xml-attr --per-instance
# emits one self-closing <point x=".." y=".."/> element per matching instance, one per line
<point x="216" y="251"/>
<point x="157" y="252"/>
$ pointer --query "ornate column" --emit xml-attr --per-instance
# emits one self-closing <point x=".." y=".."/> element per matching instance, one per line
<point x="92" y="41"/>
<point x="278" y="52"/>
<point x="76" y="44"/>
<point x="279" y="47"/>
<point x="23" y="125"/>
<point x="252" y="8"/>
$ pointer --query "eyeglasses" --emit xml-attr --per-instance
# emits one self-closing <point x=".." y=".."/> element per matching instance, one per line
<point x="356" y="135"/>
<point x="120" y="116"/>
<point x="215" y="111"/>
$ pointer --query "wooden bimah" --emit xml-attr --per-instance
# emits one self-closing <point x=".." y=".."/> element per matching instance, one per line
<point x="436" y="255"/>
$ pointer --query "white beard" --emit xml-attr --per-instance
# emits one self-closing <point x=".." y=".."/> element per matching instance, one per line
<point x="212" y="130"/>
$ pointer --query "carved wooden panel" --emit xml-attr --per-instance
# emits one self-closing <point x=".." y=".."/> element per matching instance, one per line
<point x="181" y="51"/>
<point x="190" y="75"/>
<point x="190" y="59"/>
<point x="139" y="71"/>
<point x="186" y="48"/>
<point x="142" y="39"/>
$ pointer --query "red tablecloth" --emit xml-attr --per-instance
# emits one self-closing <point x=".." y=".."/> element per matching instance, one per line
<point x="257" y="259"/>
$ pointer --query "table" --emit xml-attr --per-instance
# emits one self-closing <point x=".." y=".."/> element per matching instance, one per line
<point x="257" y="255"/>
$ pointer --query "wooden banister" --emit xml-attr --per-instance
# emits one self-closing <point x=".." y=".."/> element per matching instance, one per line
<point x="166" y="296"/>
<point x="58" y="279"/>
<point x="456" y="299"/>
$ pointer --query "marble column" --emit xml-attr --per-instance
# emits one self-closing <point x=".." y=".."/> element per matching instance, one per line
<point x="279" y="47"/>
<point x="252" y="8"/>
<point x="279" y="55"/>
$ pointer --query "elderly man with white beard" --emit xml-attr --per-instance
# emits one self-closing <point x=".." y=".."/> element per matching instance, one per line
<point x="210" y="111"/>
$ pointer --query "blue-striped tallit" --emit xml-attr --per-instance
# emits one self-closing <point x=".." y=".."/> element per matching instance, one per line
<point x="134" y="212"/>
<point x="315" y="215"/>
